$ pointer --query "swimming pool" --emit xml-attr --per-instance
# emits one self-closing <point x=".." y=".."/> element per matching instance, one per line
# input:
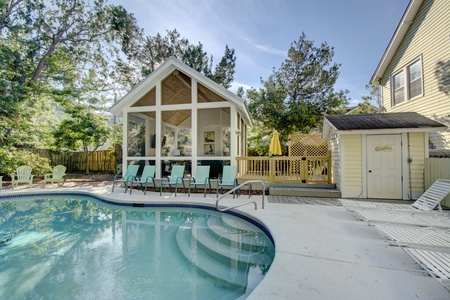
<point x="76" y="246"/>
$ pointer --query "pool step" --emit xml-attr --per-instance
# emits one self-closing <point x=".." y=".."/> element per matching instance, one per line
<point x="230" y="247"/>
<point x="214" y="244"/>
<point x="235" y="278"/>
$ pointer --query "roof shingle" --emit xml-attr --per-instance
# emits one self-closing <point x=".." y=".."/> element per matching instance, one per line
<point x="382" y="121"/>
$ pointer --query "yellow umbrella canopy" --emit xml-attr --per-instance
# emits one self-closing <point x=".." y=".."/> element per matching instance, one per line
<point x="275" y="146"/>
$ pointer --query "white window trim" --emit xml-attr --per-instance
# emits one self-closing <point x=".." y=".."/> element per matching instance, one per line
<point x="406" y="93"/>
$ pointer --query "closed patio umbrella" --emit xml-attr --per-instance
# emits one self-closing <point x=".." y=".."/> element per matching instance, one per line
<point x="275" y="146"/>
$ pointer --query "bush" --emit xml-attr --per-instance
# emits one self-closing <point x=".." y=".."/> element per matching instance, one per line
<point x="11" y="158"/>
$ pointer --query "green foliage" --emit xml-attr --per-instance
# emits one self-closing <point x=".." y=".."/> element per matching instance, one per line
<point x="136" y="138"/>
<point x="10" y="159"/>
<point x="82" y="130"/>
<point x="148" y="53"/>
<point x="55" y="53"/>
<point x="373" y="97"/>
<point x="297" y="95"/>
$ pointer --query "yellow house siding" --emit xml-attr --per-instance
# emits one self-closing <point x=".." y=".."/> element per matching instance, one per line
<point x="426" y="38"/>
<point x="417" y="154"/>
<point x="352" y="162"/>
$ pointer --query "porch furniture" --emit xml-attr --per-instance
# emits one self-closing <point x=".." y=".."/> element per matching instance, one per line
<point x="118" y="169"/>
<point x="56" y="176"/>
<point x="201" y="179"/>
<point x="228" y="179"/>
<point x="129" y="176"/>
<point x="413" y="236"/>
<point x="22" y="175"/>
<point x="426" y="202"/>
<point x="215" y="166"/>
<point x="437" y="264"/>
<point x="176" y="177"/>
<point x="148" y="176"/>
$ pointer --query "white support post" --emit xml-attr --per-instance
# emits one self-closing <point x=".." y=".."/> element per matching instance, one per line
<point x="158" y="129"/>
<point x="234" y="135"/>
<point x="194" y="127"/>
<point x="125" y="142"/>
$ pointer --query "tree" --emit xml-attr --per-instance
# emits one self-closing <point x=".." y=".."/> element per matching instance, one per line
<point x="296" y="96"/>
<point x="148" y="53"/>
<point x="56" y="51"/>
<point x="83" y="129"/>
<point x="373" y="97"/>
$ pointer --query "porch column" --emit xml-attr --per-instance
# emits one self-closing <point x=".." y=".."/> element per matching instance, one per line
<point x="125" y="142"/>
<point x="158" y="131"/>
<point x="194" y="125"/>
<point x="234" y="135"/>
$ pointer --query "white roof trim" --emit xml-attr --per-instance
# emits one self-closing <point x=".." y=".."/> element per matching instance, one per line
<point x="390" y="130"/>
<point x="141" y="87"/>
<point x="397" y="38"/>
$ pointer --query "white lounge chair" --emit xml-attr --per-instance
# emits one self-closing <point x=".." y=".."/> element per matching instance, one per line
<point x="413" y="236"/>
<point x="437" y="264"/>
<point x="426" y="202"/>
<point x="427" y="219"/>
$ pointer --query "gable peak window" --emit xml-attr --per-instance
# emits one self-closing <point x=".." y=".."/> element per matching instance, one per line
<point x="407" y="83"/>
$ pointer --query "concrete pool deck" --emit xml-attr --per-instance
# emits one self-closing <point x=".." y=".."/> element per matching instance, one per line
<point x="322" y="251"/>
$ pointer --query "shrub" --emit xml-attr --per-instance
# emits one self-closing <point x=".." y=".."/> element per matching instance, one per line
<point x="11" y="158"/>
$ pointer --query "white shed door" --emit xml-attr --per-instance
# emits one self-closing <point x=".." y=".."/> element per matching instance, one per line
<point x="384" y="166"/>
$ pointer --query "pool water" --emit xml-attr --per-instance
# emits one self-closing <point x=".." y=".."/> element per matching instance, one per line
<point x="78" y="247"/>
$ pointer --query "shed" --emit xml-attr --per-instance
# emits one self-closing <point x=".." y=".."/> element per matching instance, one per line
<point x="179" y="116"/>
<point x="379" y="156"/>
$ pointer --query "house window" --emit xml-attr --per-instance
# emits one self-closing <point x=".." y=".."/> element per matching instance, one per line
<point x="407" y="84"/>
<point x="399" y="88"/>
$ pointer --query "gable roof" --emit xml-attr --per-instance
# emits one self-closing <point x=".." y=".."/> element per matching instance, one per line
<point x="402" y="28"/>
<point x="171" y="64"/>
<point x="400" y="122"/>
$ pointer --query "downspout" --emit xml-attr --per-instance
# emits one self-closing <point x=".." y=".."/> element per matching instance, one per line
<point x="409" y="160"/>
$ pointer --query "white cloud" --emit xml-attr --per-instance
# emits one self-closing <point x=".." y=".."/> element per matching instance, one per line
<point x="235" y="85"/>
<point x="266" y="48"/>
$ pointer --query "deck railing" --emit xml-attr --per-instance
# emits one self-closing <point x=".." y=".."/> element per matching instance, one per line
<point x="306" y="169"/>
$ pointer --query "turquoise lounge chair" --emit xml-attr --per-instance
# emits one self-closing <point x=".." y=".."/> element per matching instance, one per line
<point x="129" y="176"/>
<point x="176" y="177"/>
<point x="148" y="176"/>
<point x="57" y="175"/>
<point x="22" y="175"/>
<point x="228" y="179"/>
<point x="201" y="178"/>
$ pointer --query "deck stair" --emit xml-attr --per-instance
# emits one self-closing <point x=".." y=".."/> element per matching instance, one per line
<point x="305" y="190"/>
<point x="210" y="244"/>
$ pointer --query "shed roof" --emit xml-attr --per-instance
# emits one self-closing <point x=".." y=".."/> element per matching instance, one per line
<point x="410" y="121"/>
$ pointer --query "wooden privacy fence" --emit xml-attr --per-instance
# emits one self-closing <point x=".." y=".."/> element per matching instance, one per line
<point x="100" y="161"/>
<point x="437" y="168"/>
<point x="305" y="169"/>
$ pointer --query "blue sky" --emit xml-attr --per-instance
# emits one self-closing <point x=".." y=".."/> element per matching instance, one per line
<point x="261" y="32"/>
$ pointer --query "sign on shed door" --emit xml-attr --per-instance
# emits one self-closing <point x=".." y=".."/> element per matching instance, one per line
<point x="384" y="166"/>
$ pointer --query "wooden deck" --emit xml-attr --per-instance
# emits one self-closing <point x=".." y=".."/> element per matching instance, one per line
<point x="304" y="200"/>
